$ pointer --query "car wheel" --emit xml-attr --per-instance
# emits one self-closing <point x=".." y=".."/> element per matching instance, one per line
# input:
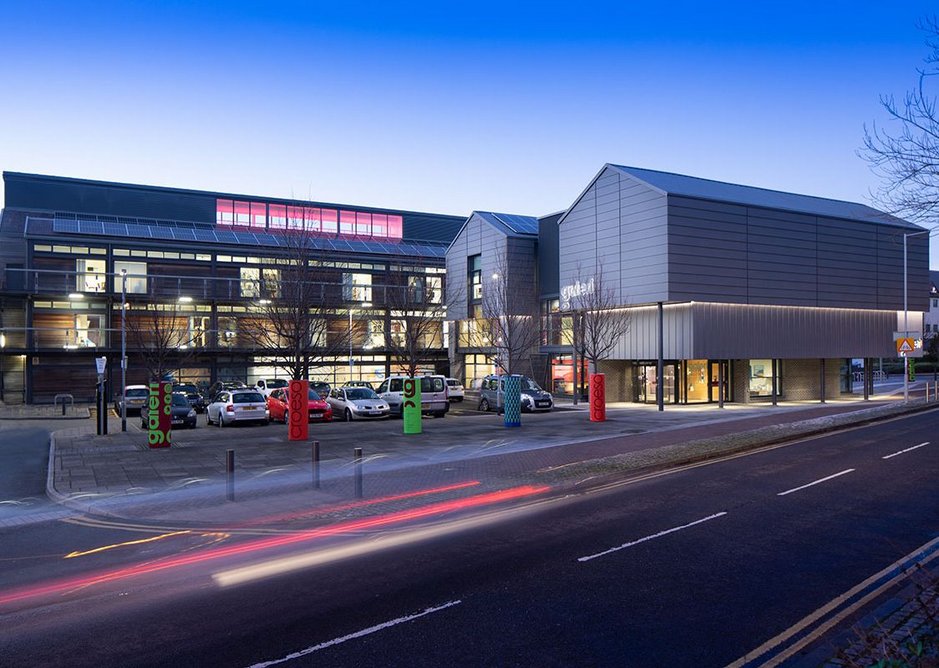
<point x="286" y="417"/>
<point x="348" y="415"/>
<point x="484" y="405"/>
<point x="221" y="420"/>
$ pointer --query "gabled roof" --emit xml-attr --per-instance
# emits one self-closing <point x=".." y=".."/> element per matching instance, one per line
<point x="691" y="186"/>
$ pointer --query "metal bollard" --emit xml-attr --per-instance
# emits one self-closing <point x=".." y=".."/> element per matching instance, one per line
<point x="230" y="468"/>
<point x="357" y="458"/>
<point x="316" y="464"/>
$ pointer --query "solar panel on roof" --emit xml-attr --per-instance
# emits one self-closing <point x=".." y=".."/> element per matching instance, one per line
<point x="185" y="235"/>
<point x="114" y="229"/>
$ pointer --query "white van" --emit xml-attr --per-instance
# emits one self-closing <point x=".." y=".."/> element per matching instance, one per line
<point x="267" y="385"/>
<point x="435" y="399"/>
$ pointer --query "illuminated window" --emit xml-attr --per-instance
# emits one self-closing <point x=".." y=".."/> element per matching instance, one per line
<point x="136" y="276"/>
<point x="294" y="217"/>
<point x="242" y="214"/>
<point x="347" y="223"/>
<point x="250" y="282"/>
<point x="379" y="225"/>
<point x="311" y="219"/>
<point x="395" y="227"/>
<point x="330" y="221"/>
<point x="90" y="276"/>
<point x="278" y="213"/>
<point x="363" y="224"/>
<point x="224" y="212"/>
<point x="258" y="215"/>
<point x="357" y="287"/>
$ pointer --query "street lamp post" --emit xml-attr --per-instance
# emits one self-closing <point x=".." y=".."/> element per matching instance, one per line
<point x="123" y="348"/>
<point x="3" y="345"/>
<point x="906" y="316"/>
<point x="351" y="310"/>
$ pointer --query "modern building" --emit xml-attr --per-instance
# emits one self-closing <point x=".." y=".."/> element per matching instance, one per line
<point x="931" y="318"/>
<point x="740" y="293"/>
<point x="202" y="273"/>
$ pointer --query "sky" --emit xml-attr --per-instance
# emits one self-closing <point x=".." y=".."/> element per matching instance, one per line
<point x="497" y="106"/>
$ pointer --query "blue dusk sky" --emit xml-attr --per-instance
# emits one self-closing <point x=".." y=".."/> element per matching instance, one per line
<point x="433" y="107"/>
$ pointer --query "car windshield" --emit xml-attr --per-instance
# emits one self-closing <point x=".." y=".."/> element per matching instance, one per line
<point x="137" y="392"/>
<point x="277" y="382"/>
<point x="247" y="397"/>
<point x="314" y="396"/>
<point x="431" y="384"/>
<point x="180" y="400"/>
<point x="453" y="383"/>
<point x="529" y="384"/>
<point x="233" y="385"/>
<point x="356" y="393"/>
<point x="188" y="389"/>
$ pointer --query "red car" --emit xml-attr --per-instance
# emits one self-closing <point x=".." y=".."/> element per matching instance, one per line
<point x="278" y="403"/>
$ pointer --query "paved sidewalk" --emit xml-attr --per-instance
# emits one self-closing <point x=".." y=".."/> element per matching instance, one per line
<point x="43" y="412"/>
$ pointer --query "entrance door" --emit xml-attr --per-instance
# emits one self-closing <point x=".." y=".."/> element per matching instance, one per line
<point x="715" y="375"/>
<point x="647" y="382"/>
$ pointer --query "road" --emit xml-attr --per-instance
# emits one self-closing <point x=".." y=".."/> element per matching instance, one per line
<point x="696" y="567"/>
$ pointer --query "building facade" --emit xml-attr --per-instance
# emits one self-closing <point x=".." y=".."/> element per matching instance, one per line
<point x="206" y="278"/>
<point x="742" y="293"/>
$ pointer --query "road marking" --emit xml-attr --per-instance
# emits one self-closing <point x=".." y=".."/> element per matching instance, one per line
<point x="357" y="634"/>
<point x="921" y="445"/>
<point x="796" y="489"/>
<point x="647" y="538"/>
<point x="814" y="626"/>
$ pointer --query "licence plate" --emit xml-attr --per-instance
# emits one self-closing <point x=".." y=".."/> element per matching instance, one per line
<point x="313" y="415"/>
<point x="177" y="421"/>
<point x="375" y="412"/>
<point x="542" y="404"/>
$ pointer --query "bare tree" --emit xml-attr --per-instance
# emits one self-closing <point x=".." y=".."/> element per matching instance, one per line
<point x="599" y="322"/>
<point x="295" y="305"/>
<point x="908" y="157"/>
<point x="162" y="337"/>
<point x="510" y="324"/>
<point x="417" y="311"/>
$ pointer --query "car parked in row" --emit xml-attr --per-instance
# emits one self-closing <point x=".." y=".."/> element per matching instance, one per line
<point x="192" y="394"/>
<point x="267" y="385"/>
<point x="356" y="403"/>
<point x="320" y="388"/>
<point x="182" y="413"/>
<point x="232" y="406"/>
<point x="135" y="396"/>
<point x="220" y="386"/>
<point x="359" y="383"/>
<point x="434" y="398"/>
<point x="492" y="393"/>
<point x="455" y="389"/>
<point x="278" y="405"/>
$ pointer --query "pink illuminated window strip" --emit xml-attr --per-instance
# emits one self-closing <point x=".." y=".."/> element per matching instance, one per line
<point x="224" y="212"/>
<point x="258" y="215"/>
<point x="363" y="224"/>
<point x="242" y="214"/>
<point x="346" y="223"/>
<point x="328" y="222"/>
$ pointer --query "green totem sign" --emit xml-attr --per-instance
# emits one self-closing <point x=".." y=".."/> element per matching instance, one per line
<point x="411" y="410"/>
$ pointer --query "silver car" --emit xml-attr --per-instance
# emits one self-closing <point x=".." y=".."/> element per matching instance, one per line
<point x="232" y="406"/>
<point x="533" y="398"/>
<point x="356" y="403"/>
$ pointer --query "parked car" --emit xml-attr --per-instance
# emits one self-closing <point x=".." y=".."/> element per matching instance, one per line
<point x="278" y="405"/>
<point x="355" y="403"/>
<point x="136" y="397"/>
<point x="533" y="397"/>
<point x="231" y="406"/>
<point x="267" y="385"/>
<point x="455" y="389"/>
<point x="321" y="388"/>
<point x="182" y="413"/>
<point x="192" y="394"/>
<point x="221" y="385"/>
<point x="359" y="383"/>
<point x="434" y="398"/>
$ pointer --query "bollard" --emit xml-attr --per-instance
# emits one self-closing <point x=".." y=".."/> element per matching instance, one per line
<point x="316" y="464"/>
<point x="230" y="468"/>
<point x="357" y="458"/>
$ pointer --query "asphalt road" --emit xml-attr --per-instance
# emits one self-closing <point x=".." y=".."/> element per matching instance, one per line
<point x="695" y="567"/>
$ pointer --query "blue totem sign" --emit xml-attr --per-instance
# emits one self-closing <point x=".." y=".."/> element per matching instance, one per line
<point x="513" y="401"/>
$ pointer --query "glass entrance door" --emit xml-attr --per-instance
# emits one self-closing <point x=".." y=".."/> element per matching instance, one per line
<point x="714" y="369"/>
<point x="647" y="383"/>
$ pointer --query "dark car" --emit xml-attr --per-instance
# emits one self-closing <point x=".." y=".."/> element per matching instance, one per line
<point x="182" y="413"/>
<point x="221" y="386"/>
<point x="192" y="394"/>
<point x="320" y="388"/>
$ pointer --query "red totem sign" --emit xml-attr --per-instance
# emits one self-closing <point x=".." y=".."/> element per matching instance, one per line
<point x="160" y="415"/>
<point x="598" y="397"/>
<point x="298" y="407"/>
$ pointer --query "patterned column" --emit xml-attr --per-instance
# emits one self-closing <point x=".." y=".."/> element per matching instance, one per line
<point x="411" y="411"/>
<point x="513" y="401"/>
<point x="298" y="427"/>
<point x="598" y="397"/>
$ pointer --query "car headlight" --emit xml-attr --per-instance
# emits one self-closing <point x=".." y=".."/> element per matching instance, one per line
<point x="192" y="413"/>
<point x="527" y="399"/>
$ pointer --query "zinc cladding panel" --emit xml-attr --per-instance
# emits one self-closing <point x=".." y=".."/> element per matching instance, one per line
<point x="782" y="262"/>
<point x="620" y="223"/>
<point x="725" y="331"/>
<point x="548" y="258"/>
<point x="707" y="251"/>
<point x="457" y="255"/>
<point x="845" y="251"/>
<point x="890" y="270"/>
<point x="642" y="340"/>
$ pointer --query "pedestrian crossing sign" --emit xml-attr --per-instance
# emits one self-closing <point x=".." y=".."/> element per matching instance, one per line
<point x="905" y="346"/>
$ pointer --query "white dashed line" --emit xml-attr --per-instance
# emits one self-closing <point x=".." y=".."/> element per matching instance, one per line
<point x="796" y="489"/>
<point x="357" y="634"/>
<point x="921" y="445"/>
<point x="647" y="538"/>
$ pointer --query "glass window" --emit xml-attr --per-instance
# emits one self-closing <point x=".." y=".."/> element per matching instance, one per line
<point x="224" y="212"/>
<point x="330" y="221"/>
<point x="398" y="332"/>
<point x="761" y="378"/>
<point x="89" y="332"/>
<point x="395" y="227"/>
<point x="474" y="264"/>
<point x="347" y="223"/>
<point x="375" y="334"/>
<point x="294" y="217"/>
<point x="278" y="214"/>
<point x="136" y="276"/>
<point x="379" y="225"/>
<point x="416" y="294"/>
<point x="397" y="385"/>
<point x="311" y="219"/>
<point x="90" y="276"/>
<point x="363" y="224"/>
<point x="357" y="287"/>
<point x="258" y="215"/>
<point x="250" y="282"/>
<point x="242" y="213"/>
